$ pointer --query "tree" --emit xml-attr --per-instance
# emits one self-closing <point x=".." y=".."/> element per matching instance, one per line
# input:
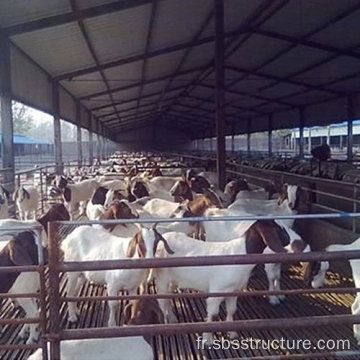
<point x="22" y="119"/>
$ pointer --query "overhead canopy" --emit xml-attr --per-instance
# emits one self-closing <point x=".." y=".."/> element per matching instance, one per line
<point x="133" y="63"/>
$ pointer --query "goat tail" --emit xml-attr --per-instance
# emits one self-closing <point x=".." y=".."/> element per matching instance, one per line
<point x="355" y="245"/>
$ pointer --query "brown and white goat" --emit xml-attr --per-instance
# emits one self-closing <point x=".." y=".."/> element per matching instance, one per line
<point x="21" y="250"/>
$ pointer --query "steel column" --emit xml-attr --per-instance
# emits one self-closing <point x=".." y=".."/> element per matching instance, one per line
<point x="91" y="149"/>
<point x="220" y="93"/>
<point x="78" y="134"/>
<point x="350" y="117"/>
<point x="309" y="141"/>
<point x="57" y="128"/>
<point x="301" y="132"/>
<point x="270" y="134"/>
<point x="248" y="139"/>
<point x="7" y="139"/>
<point x="97" y="137"/>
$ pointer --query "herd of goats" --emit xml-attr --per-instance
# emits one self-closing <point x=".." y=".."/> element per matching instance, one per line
<point x="318" y="166"/>
<point x="134" y="186"/>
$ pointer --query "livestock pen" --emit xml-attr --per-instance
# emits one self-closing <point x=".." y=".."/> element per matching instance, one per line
<point x="301" y="314"/>
<point x="146" y="79"/>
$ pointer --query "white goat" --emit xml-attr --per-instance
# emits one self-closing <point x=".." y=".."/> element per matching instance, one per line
<point x="284" y="206"/>
<point x="216" y="231"/>
<point x="109" y="348"/>
<point x="27" y="282"/>
<point x="89" y="243"/>
<point x="164" y="183"/>
<point x="27" y="201"/>
<point x="355" y="268"/>
<point x="208" y="278"/>
<point x="4" y="197"/>
<point x="79" y="193"/>
<point x="160" y="208"/>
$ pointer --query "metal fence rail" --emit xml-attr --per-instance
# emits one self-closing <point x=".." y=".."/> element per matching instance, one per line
<point x="56" y="267"/>
<point x="55" y="334"/>
<point x="323" y="192"/>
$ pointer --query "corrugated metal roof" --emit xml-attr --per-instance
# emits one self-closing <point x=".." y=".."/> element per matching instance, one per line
<point x="285" y="54"/>
<point x="57" y="49"/>
<point x="86" y="84"/>
<point x="14" y="12"/>
<point x="119" y="33"/>
<point x="178" y="21"/>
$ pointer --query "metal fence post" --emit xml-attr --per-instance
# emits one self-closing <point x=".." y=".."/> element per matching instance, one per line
<point x="42" y="299"/>
<point x="54" y="291"/>
<point x="354" y="207"/>
<point x="41" y="191"/>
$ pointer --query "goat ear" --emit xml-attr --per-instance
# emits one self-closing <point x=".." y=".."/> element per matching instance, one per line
<point x="127" y="313"/>
<point x="136" y="242"/>
<point x="18" y="254"/>
<point x="130" y="252"/>
<point x="166" y="245"/>
<point x="274" y="244"/>
<point x="273" y="238"/>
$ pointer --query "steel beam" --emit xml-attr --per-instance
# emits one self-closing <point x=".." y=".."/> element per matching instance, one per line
<point x="149" y="55"/>
<point x="301" y="131"/>
<point x="308" y="43"/>
<point x="286" y="80"/>
<point x="248" y="138"/>
<point x="91" y="149"/>
<point x="137" y="84"/>
<point x="135" y="98"/>
<point x="147" y="48"/>
<point x="233" y="140"/>
<point x="7" y="138"/>
<point x="270" y="129"/>
<point x="68" y="17"/>
<point x="186" y="55"/>
<point x="92" y="51"/>
<point x="78" y="133"/>
<point x="282" y="52"/>
<point x="57" y="128"/>
<point x="220" y="93"/>
<point x="350" y="118"/>
<point x="254" y="16"/>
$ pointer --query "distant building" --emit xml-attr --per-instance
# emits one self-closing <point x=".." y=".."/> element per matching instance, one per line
<point x="23" y="145"/>
<point x="335" y="135"/>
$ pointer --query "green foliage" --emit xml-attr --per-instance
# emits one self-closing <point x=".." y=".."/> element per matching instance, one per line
<point x="22" y="119"/>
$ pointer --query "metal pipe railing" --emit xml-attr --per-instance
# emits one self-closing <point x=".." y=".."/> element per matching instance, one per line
<point x="201" y="295"/>
<point x="212" y="219"/>
<point x="185" y="328"/>
<point x="207" y="260"/>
